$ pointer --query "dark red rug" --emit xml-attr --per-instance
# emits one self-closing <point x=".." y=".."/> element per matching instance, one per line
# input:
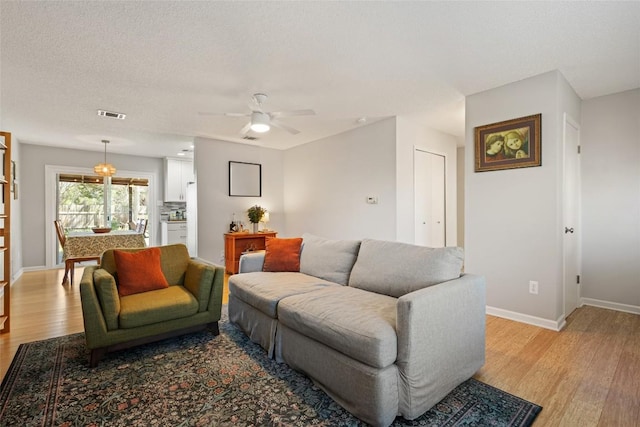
<point x="203" y="380"/>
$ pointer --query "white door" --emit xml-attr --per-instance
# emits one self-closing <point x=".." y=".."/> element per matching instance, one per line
<point x="571" y="207"/>
<point x="429" y="169"/>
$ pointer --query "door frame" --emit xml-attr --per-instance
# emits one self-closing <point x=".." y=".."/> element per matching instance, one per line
<point x="51" y="195"/>
<point x="569" y="121"/>
<point x="446" y="186"/>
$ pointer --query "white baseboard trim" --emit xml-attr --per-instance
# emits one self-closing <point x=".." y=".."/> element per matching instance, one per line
<point x="17" y="275"/>
<point x="633" y="309"/>
<point x="525" y="318"/>
<point x="39" y="268"/>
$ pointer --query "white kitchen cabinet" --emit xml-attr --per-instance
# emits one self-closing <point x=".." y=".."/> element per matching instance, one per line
<point x="177" y="173"/>
<point x="173" y="232"/>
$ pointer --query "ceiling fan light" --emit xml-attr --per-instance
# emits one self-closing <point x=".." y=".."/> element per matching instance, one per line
<point x="260" y="122"/>
<point x="260" y="127"/>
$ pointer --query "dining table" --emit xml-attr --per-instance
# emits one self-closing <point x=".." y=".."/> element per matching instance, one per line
<point x="90" y="244"/>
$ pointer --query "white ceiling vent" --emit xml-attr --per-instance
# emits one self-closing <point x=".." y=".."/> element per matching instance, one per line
<point x="111" y="114"/>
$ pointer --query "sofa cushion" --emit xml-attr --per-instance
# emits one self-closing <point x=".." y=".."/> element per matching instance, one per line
<point x="282" y="254"/>
<point x="264" y="290"/>
<point x="328" y="259"/>
<point x="356" y="323"/>
<point x="146" y="308"/>
<point x="139" y="271"/>
<point x="396" y="269"/>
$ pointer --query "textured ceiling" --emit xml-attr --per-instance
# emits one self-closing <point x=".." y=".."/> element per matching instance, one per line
<point x="162" y="63"/>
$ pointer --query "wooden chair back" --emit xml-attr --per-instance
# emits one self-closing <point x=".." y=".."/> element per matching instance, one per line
<point x="69" y="262"/>
<point x="60" y="232"/>
<point x="142" y="226"/>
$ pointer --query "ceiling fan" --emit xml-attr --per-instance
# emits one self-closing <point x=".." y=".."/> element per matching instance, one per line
<point x="261" y="120"/>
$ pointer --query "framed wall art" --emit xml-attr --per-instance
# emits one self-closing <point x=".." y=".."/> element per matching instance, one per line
<point x="245" y="179"/>
<point x="510" y="144"/>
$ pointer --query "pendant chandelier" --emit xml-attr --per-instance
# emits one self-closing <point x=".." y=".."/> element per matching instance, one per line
<point x="104" y="169"/>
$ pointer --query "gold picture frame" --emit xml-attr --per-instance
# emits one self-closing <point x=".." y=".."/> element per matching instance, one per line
<point x="510" y="144"/>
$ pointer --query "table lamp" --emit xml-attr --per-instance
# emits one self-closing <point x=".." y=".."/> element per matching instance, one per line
<point x="264" y="220"/>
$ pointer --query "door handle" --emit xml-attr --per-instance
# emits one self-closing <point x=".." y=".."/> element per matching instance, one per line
<point x="568" y="230"/>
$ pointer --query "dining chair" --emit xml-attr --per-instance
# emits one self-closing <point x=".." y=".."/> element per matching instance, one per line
<point x="141" y="228"/>
<point x="70" y="262"/>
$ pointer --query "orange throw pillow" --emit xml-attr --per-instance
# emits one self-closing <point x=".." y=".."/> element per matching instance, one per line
<point x="139" y="271"/>
<point x="282" y="254"/>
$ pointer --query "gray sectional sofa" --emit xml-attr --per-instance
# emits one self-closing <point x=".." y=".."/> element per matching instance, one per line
<point x="384" y="328"/>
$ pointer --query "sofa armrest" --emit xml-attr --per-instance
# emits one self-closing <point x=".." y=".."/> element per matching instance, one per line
<point x="441" y="340"/>
<point x="95" y="325"/>
<point x="198" y="279"/>
<point x="252" y="262"/>
<point x="107" y="291"/>
<point x="205" y="281"/>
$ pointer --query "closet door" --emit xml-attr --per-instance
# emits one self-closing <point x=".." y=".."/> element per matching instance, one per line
<point x="430" y="226"/>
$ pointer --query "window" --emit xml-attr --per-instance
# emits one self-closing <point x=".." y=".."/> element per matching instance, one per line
<point x="84" y="199"/>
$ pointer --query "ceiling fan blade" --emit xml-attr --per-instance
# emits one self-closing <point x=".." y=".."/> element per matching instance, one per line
<point x="245" y="130"/>
<point x="278" y="114"/>
<point x="225" y="114"/>
<point x="200" y="113"/>
<point x="282" y="126"/>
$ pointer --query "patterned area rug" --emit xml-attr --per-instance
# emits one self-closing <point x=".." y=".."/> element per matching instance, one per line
<point x="203" y="380"/>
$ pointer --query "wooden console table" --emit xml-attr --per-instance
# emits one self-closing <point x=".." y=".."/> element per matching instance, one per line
<point x="237" y="243"/>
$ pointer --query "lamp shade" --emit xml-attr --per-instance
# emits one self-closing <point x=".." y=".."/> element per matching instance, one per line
<point x="104" y="169"/>
<point x="260" y="122"/>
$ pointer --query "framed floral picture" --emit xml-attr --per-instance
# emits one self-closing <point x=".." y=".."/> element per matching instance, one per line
<point x="510" y="144"/>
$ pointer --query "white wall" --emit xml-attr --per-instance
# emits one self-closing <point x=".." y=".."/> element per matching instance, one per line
<point x="460" y="194"/>
<point x="610" y="167"/>
<point x="216" y="208"/>
<point x="513" y="218"/>
<point x="33" y="159"/>
<point x="326" y="183"/>
<point x="409" y="136"/>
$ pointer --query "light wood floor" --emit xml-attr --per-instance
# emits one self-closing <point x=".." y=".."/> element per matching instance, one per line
<point x="586" y="375"/>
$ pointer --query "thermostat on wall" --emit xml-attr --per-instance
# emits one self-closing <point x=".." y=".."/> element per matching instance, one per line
<point x="372" y="200"/>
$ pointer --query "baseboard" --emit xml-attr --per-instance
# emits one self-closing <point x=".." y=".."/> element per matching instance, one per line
<point x="633" y="309"/>
<point x="17" y="275"/>
<point x="40" y="268"/>
<point x="525" y="318"/>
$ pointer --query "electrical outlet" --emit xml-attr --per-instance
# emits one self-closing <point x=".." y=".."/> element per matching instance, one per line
<point x="533" y="287"/>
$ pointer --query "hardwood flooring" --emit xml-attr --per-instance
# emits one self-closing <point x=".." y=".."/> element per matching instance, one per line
<point x="586" y="375"/>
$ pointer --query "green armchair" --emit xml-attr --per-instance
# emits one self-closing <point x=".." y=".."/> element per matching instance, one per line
<point x="192" y="302"/>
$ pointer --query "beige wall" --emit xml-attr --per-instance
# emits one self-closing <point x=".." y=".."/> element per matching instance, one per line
<point x="216" y="207"/>
<point x="460" y="172"/>
<point x="327" y="183"/>
<point x="610" y="167"/>
<point x="33" y="159"/>
<point x="513" y="222"/>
